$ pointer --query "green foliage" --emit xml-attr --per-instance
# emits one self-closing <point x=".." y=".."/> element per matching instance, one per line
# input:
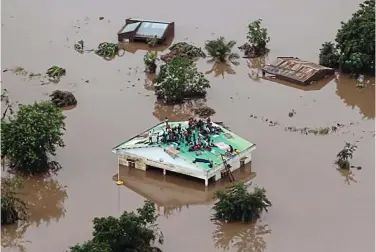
<point x="31" y="135"/>
<point x="220" y="50"/>
<point x="355" y="41"/>
<point x="237" y="204"/>
<point x="344" y="155"/>
<point x="180" y="79"/>
<point x="150" y="58"/>
<point x="152" y="41"/>
<point x="257" y="36"/>
<point x="91" y="246"/>
<point x="329" y="55"/>
<point x="133" y="231"/>
<point x="12" y="207"/>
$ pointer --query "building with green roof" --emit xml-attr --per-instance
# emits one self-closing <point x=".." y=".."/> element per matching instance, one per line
<point x="146" y="150"/>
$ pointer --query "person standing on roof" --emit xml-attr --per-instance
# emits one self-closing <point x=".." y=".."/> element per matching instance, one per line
<point x="166" y="121"/>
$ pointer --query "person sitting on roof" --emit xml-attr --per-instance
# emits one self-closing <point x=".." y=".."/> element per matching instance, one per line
<point x="231" y="149"/>
<point x="150" y="136"/>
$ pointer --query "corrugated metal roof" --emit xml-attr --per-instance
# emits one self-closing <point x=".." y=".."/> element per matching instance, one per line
<point x="294" y="68"/>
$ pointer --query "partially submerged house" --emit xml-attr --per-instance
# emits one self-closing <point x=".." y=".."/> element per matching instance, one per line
<point x="138" y="30"/>
<point x="179" y="156"/>
<point x="297" y="71"/>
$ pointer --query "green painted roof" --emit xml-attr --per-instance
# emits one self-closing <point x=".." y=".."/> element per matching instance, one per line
<point x="221" y="141"/>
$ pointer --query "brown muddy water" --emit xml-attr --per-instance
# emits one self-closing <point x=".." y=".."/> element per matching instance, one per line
<point x="315" y="208"/>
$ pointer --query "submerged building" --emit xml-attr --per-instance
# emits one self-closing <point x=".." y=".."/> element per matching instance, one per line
<point x="297" y="71"/>
<point x="138" y="30"/>
<point x="192" y="152"/>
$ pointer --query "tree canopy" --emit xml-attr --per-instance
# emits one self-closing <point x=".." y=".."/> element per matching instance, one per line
<point x="237" y="204"/>
<point x="257" y="35"/>
<point x="354" y="49"/>
<point x="179" y="79"/>
<point x="31" y="135"/>
<point x="131" y="232"/>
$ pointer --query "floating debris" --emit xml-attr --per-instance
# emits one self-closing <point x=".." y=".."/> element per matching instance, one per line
<point x="79" y="46"/>
<point x="183" y="49"/>
<point x="63" y="99"/>
<point x="109" y="50"/>
<point x="101" y="18"/>
<point x="292" y="113"/>
<point x="23" y="72"/>
<point x="204" y="111"/>
<point x="55" y="73"/>
<point x="306" y="130"/>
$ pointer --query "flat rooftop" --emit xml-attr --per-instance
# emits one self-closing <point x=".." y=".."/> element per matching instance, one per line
<point x="140" y="146"/>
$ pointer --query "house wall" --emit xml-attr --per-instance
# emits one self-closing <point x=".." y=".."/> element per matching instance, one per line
<point x="141" y="164"/>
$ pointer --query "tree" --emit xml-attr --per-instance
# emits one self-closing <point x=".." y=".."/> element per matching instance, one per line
<point x="30" y="136"/>
<point x="355" y="41"/>
<point x="180" y="79"/>
<point x="149" y="59"/>
<point x="7" y="103"/>
<point x="91" y="246"/>
<point x="344" y="155"/>
<point x="12" y="207"/>
<point x="329" y="55"/>
<point x="130" y="232"/>
<point x="258" y="39"/>
<point x="237" y="204"/>
<point x="220" y="50"/>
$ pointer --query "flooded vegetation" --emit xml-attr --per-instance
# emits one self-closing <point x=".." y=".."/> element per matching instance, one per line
<point x="312" y="197"/>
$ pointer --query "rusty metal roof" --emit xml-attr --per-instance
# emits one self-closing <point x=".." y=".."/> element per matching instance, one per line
<point x="294" y="68"/>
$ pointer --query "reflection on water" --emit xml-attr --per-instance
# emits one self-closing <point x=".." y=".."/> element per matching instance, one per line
<point x="150" y="81"/>
<point x="178" y="112"/>
<point x="349" y="176"/>
<point x="256" y="65"/>
<point x="221" y="69"/>
<point x="311" y="87"/>
<point x="363" y="98"/>
<point x="135" y="46"/>
<point x="12" y="236"/>
<point x="174" y="192"/>
<point x="246" y="237"/>
<point x="45" y="198"/>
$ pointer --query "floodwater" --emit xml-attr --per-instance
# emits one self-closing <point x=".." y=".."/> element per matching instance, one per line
<point x="315" y="207"/>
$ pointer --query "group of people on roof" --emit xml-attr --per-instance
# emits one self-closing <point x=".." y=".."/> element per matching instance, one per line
<point x="196" y="135"/>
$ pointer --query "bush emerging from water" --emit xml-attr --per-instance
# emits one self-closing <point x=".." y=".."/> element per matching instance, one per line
<point x="179" y="79"/>
<point x="31" y="135"/>
<point x="237" y="204"/>
<point x="354" y="50"/>
<point x="130" y="232"/>
<point x="220" y="50"/>
<point x="345" y="155"/>
<point x="12" y="207"/>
